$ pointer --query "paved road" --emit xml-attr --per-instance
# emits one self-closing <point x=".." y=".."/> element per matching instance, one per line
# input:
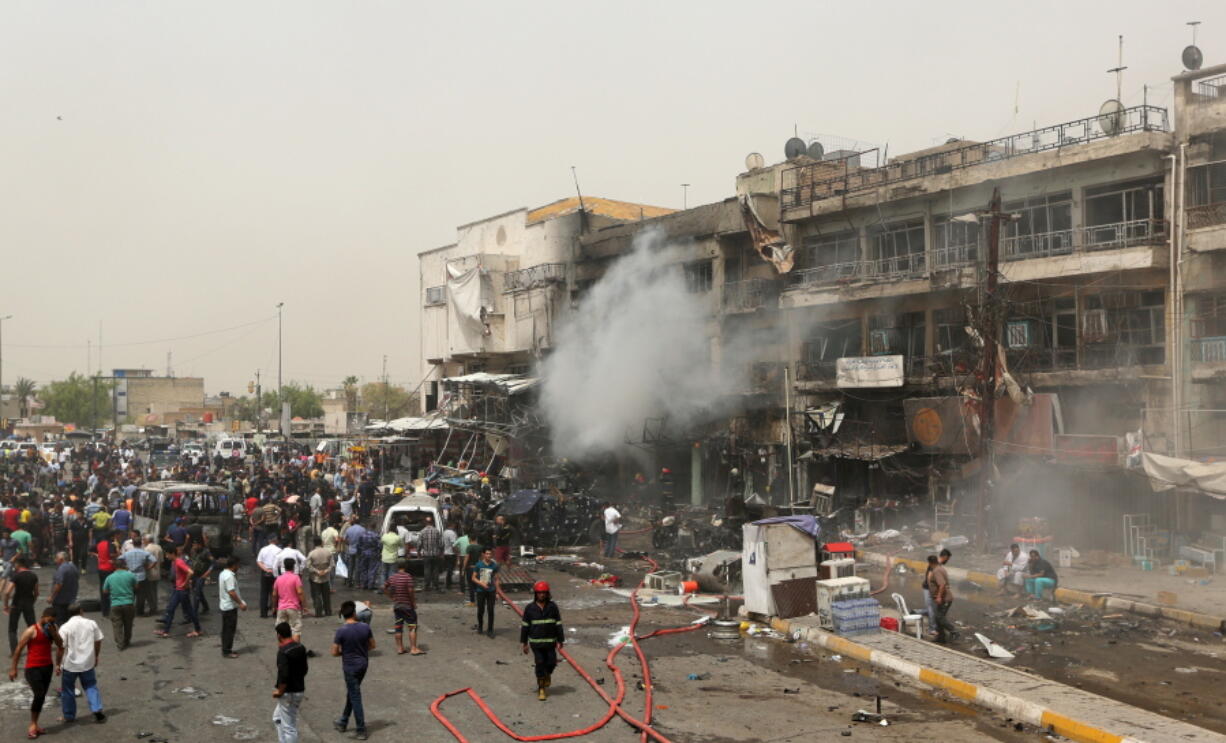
<point x="183" y="690"/>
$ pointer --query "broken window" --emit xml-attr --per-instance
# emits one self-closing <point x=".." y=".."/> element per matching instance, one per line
<point x="953" y="344"/>
<point x="954" y="243"/>
<point x="827" y="257"/>
<point x="901" y="334"/>
<point x="1123" y="328"/>
<point x="1041" y="334"/>
<point x="1044" y="227"/>
<point x="1208" y="326"/>
<point x="828" y="344"/>
<point x="1206" y="195"/>
<point x="698" y="277"/>
<point x="1123" y="214"/>
<point x="898" y="248"/>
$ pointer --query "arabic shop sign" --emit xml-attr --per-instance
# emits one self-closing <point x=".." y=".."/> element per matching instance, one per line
<point x="869" y="371"/>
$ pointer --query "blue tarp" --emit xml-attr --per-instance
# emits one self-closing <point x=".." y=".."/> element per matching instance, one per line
<point x="808" y="524"/>
<point x="519" y="503"/>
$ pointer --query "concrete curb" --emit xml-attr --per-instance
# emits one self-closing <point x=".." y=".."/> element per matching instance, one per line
<point x="1015" y="707"/>
<point x="1070" y="595"/>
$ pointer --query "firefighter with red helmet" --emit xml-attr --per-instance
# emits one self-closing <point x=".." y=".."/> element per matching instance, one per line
<point x="541" y="632"/>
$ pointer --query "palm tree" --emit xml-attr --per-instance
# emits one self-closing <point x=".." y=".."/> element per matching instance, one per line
<point x="350" y="386"/>
<point x="24" y="389"/>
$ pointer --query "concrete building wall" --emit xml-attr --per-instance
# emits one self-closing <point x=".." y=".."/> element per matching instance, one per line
<point x="160" y="396"/>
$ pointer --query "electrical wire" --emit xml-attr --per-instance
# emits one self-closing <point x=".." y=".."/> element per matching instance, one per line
<point x="145" y="343"/>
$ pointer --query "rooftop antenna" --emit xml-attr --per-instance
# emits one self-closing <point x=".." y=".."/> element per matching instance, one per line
<point x="1119" y="73"/>
<point x="1192" y="57"/>
<point x="685" y="194"/>
<point x="582" y="209"/>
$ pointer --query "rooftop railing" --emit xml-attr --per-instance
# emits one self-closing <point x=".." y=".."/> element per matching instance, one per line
<point x="804" y="184"/>
<point x="1212" y="89"/>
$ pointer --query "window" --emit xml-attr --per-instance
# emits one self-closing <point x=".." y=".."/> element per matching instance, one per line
<point x="1207" y="184"/>
<point x="821" y="251"/>
<point x="436" y="295"/>
<point x="698" y="277"/>
<point x="1044" y="227"/>
<point x="827" y="345"/>
<point x="898" y="249"/>
<point x="521" y="369"/>
<point x="954" y="243"/>
<point x="1124" y="328"/>
<point x="950" y="325"/>
<point x="1123" y="213"/>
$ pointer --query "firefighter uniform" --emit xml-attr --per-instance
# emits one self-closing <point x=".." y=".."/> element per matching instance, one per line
<point x="541" y="630"/>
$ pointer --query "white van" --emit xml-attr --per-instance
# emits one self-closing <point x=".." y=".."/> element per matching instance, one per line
<point x="231" y="449"/>
<point x="411" y="513"/>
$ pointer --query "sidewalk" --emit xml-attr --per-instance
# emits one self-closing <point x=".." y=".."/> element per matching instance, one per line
<point x="1110" y="589"/>
<point x="1068" y="711"/>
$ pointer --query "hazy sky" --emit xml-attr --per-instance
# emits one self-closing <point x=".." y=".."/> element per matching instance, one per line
<point x="172" y="170"/>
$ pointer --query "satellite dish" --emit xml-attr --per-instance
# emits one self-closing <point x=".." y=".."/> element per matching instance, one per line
<point x="754" y="160"/>
<point x="815" y="150"/>
<point x="1192" y="57"/>
<point x="794" y="148"/>
<point x="1111" y="117"/>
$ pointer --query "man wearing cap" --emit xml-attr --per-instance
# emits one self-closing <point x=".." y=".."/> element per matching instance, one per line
<point x="541" y="631"/>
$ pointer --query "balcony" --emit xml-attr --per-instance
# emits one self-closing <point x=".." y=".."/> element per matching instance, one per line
<point x="1206" y="215"/>
<point x="1208" y="349"/>
<point x="828" y="274"/>
<point x="750" y="294"/>
<point x="534" y="276"/>
<point x="1210" y="90"/>
<point x="804" y="184"/>
<point x="1123" y="234"/>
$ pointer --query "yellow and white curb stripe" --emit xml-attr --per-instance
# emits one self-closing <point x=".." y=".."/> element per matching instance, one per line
<point x="1017" y="708"/>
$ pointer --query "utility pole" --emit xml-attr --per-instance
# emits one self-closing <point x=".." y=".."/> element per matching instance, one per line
<point x="93" y="417"/>
<point x="259" y="404"/>
<point x="989" y="322"/>
<point x="385" y="388"/>
<point x="2" y="319"/>
<point x="279" y="398"/>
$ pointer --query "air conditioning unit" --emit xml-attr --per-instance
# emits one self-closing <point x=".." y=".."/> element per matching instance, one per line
<point x="1094" y="326"/>
<point x="436" y="294"/>
<point x="1022" y="334"/>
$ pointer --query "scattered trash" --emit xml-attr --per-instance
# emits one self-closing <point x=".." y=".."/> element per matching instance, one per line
<point x="606" y="579"/>
<point x="952" y="542"/>
<point x="620" y="637"/>
<point x="698" y="676"/>
<point x="1185" y="670"/>
<point x="1055" y="610"/>
<point x="143" y="735"/>
<point x="994" y="650"/>
<point x="792" y="691"/>
<point x="246" y="733"/>
<point x="887" y="535"/>
<point x="223" y="720"/>
<point x="797" y="661"/>
<point x="501" y="663"/>
<point x="699" y="622"/>
<point x="836" y="658"/>
<point x="846" y="733"/>
<point x="862" y="716"/>
<point x="192" y="692"/>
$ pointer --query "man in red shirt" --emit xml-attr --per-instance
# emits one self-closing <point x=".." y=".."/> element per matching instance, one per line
<point x="106" y="565"/>
<point x="181" y="595"/>
<point x="399" y="588"/>
<point x="287" y="596"/>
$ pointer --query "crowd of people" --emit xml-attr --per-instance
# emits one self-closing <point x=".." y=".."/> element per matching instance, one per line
<point x="308" y="522"/>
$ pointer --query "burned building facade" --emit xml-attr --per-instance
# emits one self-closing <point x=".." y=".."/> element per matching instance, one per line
<point x="846" y="305"/>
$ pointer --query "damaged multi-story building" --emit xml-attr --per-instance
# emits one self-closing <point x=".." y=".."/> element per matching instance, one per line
<point x="864" y="282"/>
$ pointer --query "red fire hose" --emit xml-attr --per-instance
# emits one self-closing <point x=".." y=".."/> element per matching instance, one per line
<point x="615" y="704"/>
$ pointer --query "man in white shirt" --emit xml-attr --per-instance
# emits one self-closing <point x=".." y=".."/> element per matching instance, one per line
<point x="267" y="562"/>
<point x="317" y="510"/>
<point x="330" y="536"/>
<point x="288" y="552"/>
<point x="82" y="646"/>
<point x="1013" y="570"/>
<point x="612" y="525"/>
<point x="449" y="553"/>
<point x="229" y="602"/>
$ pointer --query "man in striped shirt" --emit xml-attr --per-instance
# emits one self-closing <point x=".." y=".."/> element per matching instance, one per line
<point x="399" y="588"/>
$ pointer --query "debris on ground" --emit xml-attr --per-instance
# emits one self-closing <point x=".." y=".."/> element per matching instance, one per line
<point x="223" y="720"/>
<point x="994" y="650"/>
<point x="698" y="676"/>
<point x="876" y="719"/>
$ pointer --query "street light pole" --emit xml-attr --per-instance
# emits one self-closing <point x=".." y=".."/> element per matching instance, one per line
<point x="280" y="400"/>
<point x="2" y="319"/>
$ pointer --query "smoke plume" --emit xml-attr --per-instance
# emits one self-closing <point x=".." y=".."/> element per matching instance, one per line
<point x="636" y="348"/>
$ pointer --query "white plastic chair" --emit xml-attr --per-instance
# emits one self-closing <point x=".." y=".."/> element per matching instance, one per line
<point x="908" y="617"/>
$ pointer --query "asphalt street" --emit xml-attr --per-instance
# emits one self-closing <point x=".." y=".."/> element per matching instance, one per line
<point x="750" y="689"/>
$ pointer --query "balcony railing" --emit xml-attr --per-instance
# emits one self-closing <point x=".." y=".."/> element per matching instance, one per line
<point x="1213" y="89"/>
<point x="898" y="266"/>
<point x="534" y="276"/>
<point x="825" y="274"/>
<point x="815" y="371"/>
<point x="1208" y="349"/>
<point x="1206" y="215"/>
<point x="955" y="256"/>
<point x="1038" y="245"/>
<point x="804" y="184"/>
<point x="1123" y="234"/>
<point x="750" y="294"/>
